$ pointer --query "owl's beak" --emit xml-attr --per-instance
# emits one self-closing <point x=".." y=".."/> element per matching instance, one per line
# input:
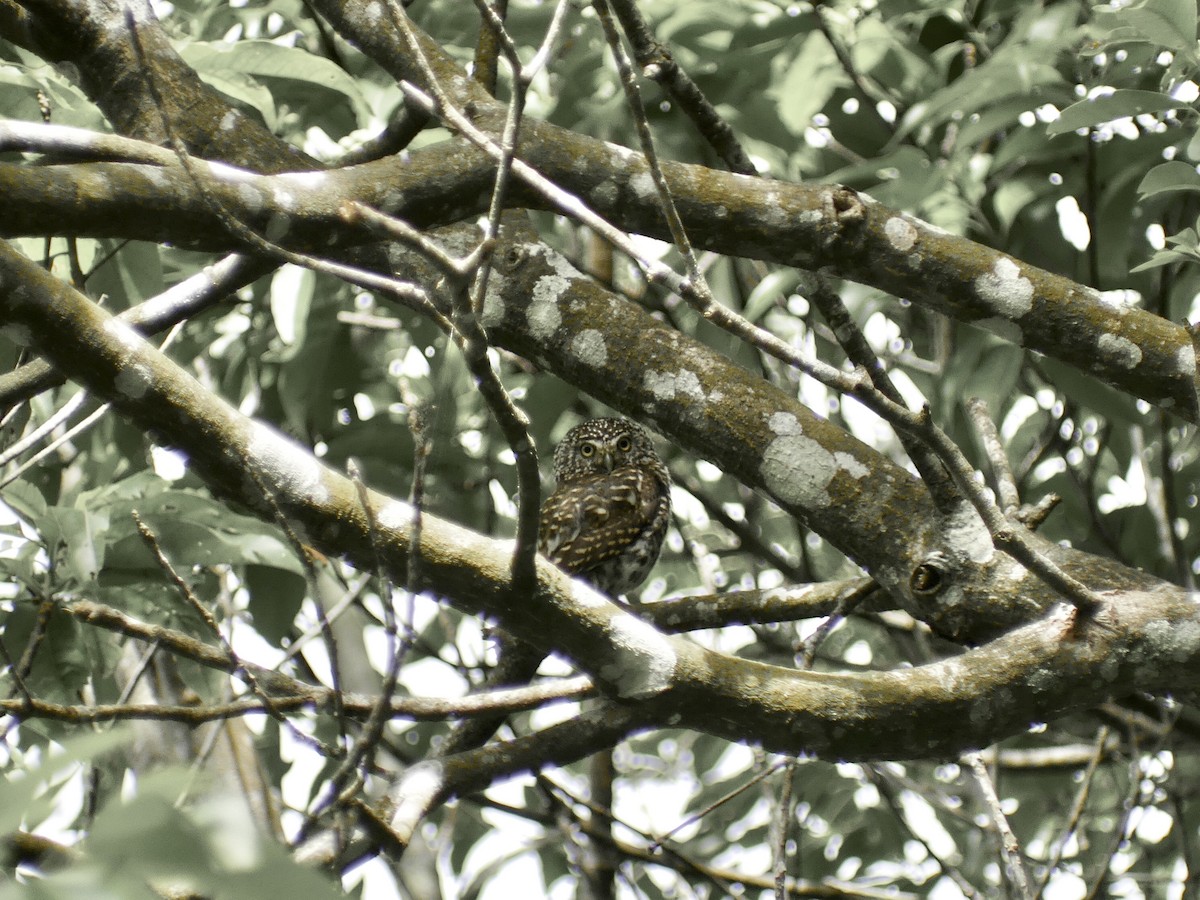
<point x="609" y="460"/>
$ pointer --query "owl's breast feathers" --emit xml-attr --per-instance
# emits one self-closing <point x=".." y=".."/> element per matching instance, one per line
<point x="591" y="521"/>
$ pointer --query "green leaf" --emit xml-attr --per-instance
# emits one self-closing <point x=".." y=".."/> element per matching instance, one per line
<point x="27" y="798"/>
<point x="275" y="598"/>
<point x="255" y="60"/>
<point x="1170" y="176"/>
<point x="291" y="299"/>
<point x="18" y="95"/>
<point x="1165" y="258"/>
<point x="194" y="530"/>
<point x="25" y="500"/>
<point x="1094" y="395"/>
<point x="130" y="276"/>
<point x="1021" y="72"/>
<point x="1013" y="196"/>
<point x="995" y="375"/>
<point x="1168" y="24"/>
<point x="810" y="80"/>
<point x="243" y="89"/>
<point x="1117" y="105"/>
<point x="767" y="292"/>
<point x="82" y="538"/>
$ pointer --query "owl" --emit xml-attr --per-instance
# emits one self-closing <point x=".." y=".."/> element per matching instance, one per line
<point x="608" y="514"/>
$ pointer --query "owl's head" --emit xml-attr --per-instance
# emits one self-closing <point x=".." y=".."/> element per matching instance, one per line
<point x="600" y="446"/>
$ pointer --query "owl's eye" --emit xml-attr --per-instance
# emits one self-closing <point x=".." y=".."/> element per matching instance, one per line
<point x="587" y="451"/>
<point x="624" y="444"/>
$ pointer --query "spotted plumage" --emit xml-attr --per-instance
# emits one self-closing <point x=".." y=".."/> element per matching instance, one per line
<point x="608" y="514"/>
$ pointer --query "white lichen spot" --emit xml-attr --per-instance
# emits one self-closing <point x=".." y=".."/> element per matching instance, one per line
<point x="542" y="313"/>
<point x="1005" y="289"/>
<point x="966" y="536"/>
<point x="644" y="663"/>
<point x="561" y="265"/>
<point x="251" y="198"/>
<point x="784" y="423"/>
<point x="660" y="384"/>
<point x="798" y="470"/>
<point x="810" y="217"/>
<point x="282" y="199"/>
<point x="585" y="596"/>
<point x="1121" y="299"/>
<point x="392" y="201"/>
<point x="1179" y="641"/>
<point x="901" y="233"/>
<point x="1185" y="360"/>
<point x="1120" y="350"/>
<point x="772" y="211"/>
<point x="720" y="211"/>
<point x="589" y="346"/>
<point x="620" y="156"/>
<point x="642" y="185"/>
<point x="156" y="175"/>
<point x="687" y="384"/>
<point x="285" y="463"/>
<point x="229" y="120"/>
<point x="775" y="216"/>
<point x="670" y="385"/>
<point x="1004" y="328"/>
<point x="133" y="380"/>
<point x="605" y="193"/>
<point x="492" y="313"/>
<point x="850" y="464"/>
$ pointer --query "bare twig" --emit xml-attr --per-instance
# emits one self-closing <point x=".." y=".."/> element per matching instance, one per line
<point x="658" y="64"/>
<point x="1075" y="816"/>
<point x="781" y="827"/>
<point x="189" y="596"/>
<point x="1006" y="484"/>
<point x="854" y="342"/>
<point x="1014" y="863"/>
<point x="697" y="283"/>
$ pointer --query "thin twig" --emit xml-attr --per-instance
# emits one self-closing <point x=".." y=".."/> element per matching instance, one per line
<point x="781" y="826"/>
<point x="633" y="99"/>
<point x="860" y="353"/>
<point x="412" y="295"/>
<point x="1075" y="816"/>
<point x="658" y="64"/>
<point x="1006" y="485"/>
<point x="1014" y="862"/>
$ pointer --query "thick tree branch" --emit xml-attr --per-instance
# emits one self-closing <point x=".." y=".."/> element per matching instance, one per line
<point x="1032" y="674"/>
<point x="1136" y="351"/>
<point x="92" y="35"/>
<point x="807" y="225"/>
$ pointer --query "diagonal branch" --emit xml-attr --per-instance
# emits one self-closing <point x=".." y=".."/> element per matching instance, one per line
<point x="1031" y="674"/>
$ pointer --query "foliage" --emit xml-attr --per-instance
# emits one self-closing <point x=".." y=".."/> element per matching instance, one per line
<point x="1060" y="133"/>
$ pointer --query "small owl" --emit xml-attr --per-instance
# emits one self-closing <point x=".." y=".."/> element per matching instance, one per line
<point x="606" y="519"/>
